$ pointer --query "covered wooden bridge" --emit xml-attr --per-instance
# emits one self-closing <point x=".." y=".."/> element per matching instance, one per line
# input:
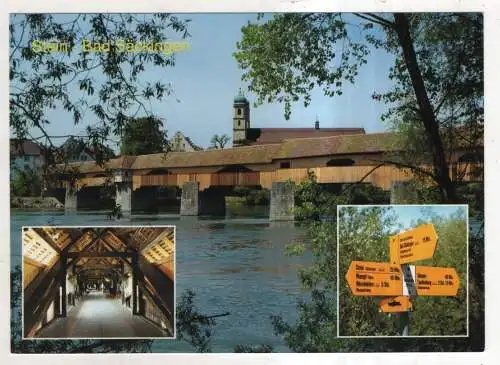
<point x="342" y="159"/>
<point x="98" y="282"/>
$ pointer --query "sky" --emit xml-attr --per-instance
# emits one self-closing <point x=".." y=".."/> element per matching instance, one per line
<point x="408" y="215"/>
<point x="206" y="78"/>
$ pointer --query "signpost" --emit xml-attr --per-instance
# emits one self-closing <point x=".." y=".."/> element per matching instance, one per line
<point x="396" y="304"/>
<point x="437" y="281"/>
<point x="374" y="279"/>
<point x="397" y="280"/>
<point x="417" y="244"/>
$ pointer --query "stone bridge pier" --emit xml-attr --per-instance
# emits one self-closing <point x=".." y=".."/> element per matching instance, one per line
<point x="282" y="201"/>
<point x="194" y="202"/>
<point x="71" y="197"/>
<point x="123" y="189"/>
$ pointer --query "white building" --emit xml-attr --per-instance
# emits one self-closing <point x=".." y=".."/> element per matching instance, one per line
<point x="24" y="156"/>
<point x="74" y="150"/>
<point x="181" y="143"/>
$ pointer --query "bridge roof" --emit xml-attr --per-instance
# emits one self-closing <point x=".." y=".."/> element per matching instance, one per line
<point x="277" y="135"/>
<point x="256" y="154"/>
<point x="344" y="144"/>
<point x="229" y="156"/>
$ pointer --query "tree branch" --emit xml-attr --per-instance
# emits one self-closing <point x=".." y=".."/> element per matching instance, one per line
<point x="376" y="19"/>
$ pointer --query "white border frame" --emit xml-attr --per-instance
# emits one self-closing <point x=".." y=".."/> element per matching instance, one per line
<point x="174" y="325"/>
<point x="402" y="205"/>
<point x="491" y="11"/>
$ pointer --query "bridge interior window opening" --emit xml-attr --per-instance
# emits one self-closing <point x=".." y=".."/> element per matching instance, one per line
<point x="285" y="165"/>
<point x="467" y="166"/>
<point x="340" y="162"/>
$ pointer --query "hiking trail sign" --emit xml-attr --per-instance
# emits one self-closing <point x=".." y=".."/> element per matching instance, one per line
<point x="436" y="281"/>
<point x="375" y="279"/>
<point x="416" y="244"/>
<point x="396" y="304"/>
<point x="397" y="281"/>
<point x="366" y="278"/>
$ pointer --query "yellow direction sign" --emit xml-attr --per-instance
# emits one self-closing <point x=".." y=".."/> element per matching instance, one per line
<point x="375" y="278"/>
<point x="396" y="304"/>
<point x="417" y="244"/>
<point x="438" y="281"/>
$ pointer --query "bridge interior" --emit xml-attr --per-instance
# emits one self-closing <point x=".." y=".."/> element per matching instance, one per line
<point x="100" y="282"/>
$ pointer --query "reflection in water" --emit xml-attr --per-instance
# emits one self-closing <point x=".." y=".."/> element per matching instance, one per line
<point x="233" y="265"/>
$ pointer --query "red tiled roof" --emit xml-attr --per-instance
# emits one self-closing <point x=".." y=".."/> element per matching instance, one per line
<point x="258" y="154"/>
<point x="277" y="135"/>
<point x="340" y="144"/>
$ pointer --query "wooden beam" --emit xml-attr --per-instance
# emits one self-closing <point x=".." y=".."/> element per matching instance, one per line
<point x="47" y="239"/>
<point x="100" y="254"/>
<point x="75" y="240"/>
<point x="117" y="238"/>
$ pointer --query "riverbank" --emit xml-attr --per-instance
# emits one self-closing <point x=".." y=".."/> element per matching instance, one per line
<point x="36" y="203"/>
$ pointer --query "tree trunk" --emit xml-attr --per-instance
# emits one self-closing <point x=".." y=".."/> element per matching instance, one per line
<point x="441" y="170"/>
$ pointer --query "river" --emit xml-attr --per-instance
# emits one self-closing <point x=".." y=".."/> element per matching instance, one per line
<point x="235" y="265"/>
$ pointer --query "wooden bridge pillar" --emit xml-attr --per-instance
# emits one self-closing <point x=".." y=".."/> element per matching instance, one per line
<point x="282" y="202"/>
<point x="190" y="203"/>
<point x="403" y="192"/>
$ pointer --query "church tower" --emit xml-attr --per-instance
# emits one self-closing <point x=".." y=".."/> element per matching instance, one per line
<point x="241" y="119"/>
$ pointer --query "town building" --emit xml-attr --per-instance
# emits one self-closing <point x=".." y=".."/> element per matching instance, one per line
<point x="74" y="150"/>
<point x="181" y="143"/>
<point x="245" y="135"/>
<point x="25" y="155"/>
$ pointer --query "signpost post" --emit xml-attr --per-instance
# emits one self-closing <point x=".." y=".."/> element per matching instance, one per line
<point x="398" y="281"/>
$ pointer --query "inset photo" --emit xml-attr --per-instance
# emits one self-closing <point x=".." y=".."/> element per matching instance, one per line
<point x="98" y="282"/>
<point x="402" y="270"/>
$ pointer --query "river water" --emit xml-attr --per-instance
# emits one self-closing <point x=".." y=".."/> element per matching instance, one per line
<point x="235" y="265"/>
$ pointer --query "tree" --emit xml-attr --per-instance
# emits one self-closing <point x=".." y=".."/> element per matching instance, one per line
<point x="143" y="136"/>
<point x="74" y="145"/>
<point x="285" y="57"/>
<point x="435" y="107"/>
<point x="219" y="142"/>
<point x="315" y="329"/>
<point x="26" y="183"/>
<point x="74" y="80"/>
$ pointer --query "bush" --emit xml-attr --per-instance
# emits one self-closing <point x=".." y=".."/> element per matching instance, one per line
<point x="26" y="183"/>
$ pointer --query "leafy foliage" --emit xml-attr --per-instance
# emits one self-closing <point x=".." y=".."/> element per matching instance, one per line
<point x="286" y="57"/>
<point x="26" y="183"/>
<point x="104" y="83"/>
<point x="437" y="74"/>
<point x="75" y="145"/>
<point x="253" y="196"/>
<point x="449" y="51"/>
<point x="192" y="326"/>
<point x="315" y="329"/>
<point x="143" y="136"/>
<point x="250" y="348"/>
